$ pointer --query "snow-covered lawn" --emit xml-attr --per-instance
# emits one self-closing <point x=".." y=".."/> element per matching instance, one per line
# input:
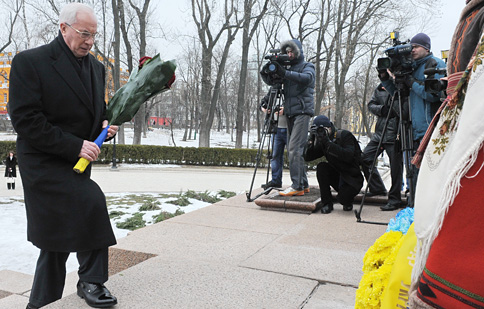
<point x="17" y="254"/>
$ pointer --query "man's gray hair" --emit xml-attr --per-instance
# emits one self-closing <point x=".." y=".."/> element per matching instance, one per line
<point x="69" y="12"/>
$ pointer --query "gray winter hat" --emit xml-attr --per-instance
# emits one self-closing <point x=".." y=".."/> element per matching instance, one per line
<point x="421" y="39"/>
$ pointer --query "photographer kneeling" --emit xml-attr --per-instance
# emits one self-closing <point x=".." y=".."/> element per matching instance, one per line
<point x="342" y="169"/>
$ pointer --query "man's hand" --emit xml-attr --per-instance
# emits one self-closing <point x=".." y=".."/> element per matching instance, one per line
<point x="280" y="111"/>
<point x="409" y="80"/>
<point x="89" y="151"/>
<point x="280" y="71"/>
<point x="322" y="137"/>
<point x="112" y="129"/>
<point x="383" y="75"/>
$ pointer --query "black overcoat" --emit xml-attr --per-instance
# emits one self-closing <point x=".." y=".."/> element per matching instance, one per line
<point x="343" y="153"/>
<point x="52" y="114"/>
<point x="11" y="167"/>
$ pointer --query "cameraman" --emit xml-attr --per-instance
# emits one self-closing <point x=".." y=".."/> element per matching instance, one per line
<point x="342" y="169"/>
<point x="423" y="105"/>
<point x="379" y="106"/>
<point x="298" y="81"/>
<point x="279" y="140"/>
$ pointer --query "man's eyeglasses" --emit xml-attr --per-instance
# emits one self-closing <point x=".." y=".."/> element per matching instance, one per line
<point x="85" y="35"/>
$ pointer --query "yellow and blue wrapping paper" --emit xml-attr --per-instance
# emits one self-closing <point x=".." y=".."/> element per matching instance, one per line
<point x="142" y="85"/>
<point x="380" y="262"/>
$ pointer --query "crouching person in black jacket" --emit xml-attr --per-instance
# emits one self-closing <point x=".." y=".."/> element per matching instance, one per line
<point x="342" y="169"/>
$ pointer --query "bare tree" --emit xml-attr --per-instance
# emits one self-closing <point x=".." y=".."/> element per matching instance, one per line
<point x="13" y="8"/>
<point x="139" y="119"/>
<point x="201" y="12"/>
<point x="247" y="34"/>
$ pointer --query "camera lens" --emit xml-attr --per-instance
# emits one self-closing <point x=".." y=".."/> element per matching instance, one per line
<point x="271" y="68"/>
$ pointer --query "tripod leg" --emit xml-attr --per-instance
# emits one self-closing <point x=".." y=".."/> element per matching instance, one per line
<point x="373" y="164"/>
<point x="269" y="126"/>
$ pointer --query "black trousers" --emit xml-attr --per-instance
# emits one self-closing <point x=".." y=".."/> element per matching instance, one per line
<point x="396" y="169"/>
<point x="329" y="177"/>
<point x="50" y="273"/>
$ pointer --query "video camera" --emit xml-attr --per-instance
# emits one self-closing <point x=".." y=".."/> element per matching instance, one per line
<point x="399" y="60"/>
<point x="433" y="85"/>
<point x="270" y="69"/>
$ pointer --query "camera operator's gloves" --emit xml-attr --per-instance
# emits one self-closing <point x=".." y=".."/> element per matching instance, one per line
<point x="280" y="71"/>
<point x="322" y="137"/>
<point x="409" y="80"/>
<point x="383" y="75"/>
<point x="263" y="103"/>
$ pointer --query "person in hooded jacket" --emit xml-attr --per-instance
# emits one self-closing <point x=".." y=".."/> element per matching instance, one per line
<point x="298" y="79"/>
<point x="379" y="105"/>
<point x="342" y="169"/>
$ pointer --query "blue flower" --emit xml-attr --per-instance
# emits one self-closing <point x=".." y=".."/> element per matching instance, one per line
<point x="402" y="221"/>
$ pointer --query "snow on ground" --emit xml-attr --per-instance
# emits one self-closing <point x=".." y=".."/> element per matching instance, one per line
<point x="162" y="137"/>
<point x="17" y="254"/>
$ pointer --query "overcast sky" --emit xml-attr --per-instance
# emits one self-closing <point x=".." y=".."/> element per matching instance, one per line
<point x="445" y="25"/>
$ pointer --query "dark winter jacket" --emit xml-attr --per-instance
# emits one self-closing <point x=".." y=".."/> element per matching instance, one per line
<point x="53" y="112"/>
<point x="423" y="105"/>
<point x="343" y="153"/>
<point x="298" y="83"/>
<point x="380" y="98"/>
<point x="11" y="167"/>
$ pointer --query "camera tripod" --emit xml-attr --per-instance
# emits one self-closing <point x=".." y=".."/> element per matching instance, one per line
<point x="276" y="98"/>
<point x="404" y="137"/>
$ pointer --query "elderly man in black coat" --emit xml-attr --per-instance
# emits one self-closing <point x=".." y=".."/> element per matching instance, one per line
<point x="57" y="108"/>
<point x="342" y="167"/>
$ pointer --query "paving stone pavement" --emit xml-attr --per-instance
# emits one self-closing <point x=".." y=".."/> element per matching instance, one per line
<point x="231" y="254"/>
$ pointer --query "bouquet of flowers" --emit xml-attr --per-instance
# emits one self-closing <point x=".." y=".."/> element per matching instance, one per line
<point x="152" y="77"/>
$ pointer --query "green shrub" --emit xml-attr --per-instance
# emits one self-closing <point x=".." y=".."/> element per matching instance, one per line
<point x="149" y="154"/>
<point x="116" y="214"/>
<point x="164" y="215"/>
<point x="202" y="196"/>
<point x="226" y="194"/>
<point x="150" y="203"/>
<point x="133" y="223"/>
<point x="180" y="201"/>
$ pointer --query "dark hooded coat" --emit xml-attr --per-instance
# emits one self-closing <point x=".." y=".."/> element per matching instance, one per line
<point x="299" y="82"/>
<point x="380" y="98"/>
<point x="343" y="153"/>
<point x="55" y="104"/>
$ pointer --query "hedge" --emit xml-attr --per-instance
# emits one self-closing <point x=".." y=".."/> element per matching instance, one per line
<point x="149" y="154"/>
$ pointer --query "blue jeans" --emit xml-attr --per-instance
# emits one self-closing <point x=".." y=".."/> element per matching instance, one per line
<point x="277" y="163"/>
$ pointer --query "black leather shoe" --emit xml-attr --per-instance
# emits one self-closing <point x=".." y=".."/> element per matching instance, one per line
<point x="348" y="207"/>
<point x="30" y="306"/>
<point x="327" y="208"/>
<point x="271" y="184"/>
<point x="96" y="295"/>
<point x="318" y="207"/>
<point x="389" y="207"/>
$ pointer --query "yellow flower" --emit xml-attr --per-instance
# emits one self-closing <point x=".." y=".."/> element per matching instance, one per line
<point x="377" y="267"/>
